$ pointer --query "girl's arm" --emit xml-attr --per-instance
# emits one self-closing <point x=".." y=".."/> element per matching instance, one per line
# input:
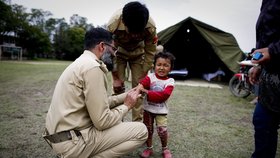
<point x="160" y="96"/>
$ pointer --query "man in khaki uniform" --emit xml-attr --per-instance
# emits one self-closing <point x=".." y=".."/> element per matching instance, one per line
<point x="82" y="120"/>
<point x="135" y="36"/>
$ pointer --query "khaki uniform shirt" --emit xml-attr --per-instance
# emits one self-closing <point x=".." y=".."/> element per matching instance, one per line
<point x="80" y="98"/>
<point x="134" y="45"/>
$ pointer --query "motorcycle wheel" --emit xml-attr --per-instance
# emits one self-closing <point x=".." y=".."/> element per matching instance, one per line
<point x="237" y="88"/>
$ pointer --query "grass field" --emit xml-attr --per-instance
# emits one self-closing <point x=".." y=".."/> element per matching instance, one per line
<point x="203" y="122"/>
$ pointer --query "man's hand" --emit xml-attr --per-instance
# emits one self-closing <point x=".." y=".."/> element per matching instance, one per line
<point x="141" y="88"/>
<point x="264" y="59"/>
<point x="131" y="97"/>
<point x="254" y="73"/>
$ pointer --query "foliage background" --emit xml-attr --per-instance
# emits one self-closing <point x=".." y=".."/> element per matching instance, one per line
<point x="39" y="34"/>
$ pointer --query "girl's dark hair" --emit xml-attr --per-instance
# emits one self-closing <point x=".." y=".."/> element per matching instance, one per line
<point x="165" y="55"/>
<point x="96" y="35"/>
<point x="135" y="16"/>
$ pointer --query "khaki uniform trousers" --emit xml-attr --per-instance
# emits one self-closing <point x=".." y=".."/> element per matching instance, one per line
<point x="113" y="142"/>
<point x="135" y="60"/>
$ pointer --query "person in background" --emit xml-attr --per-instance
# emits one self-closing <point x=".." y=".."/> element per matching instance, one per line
<point x="158" y="87"/>
<point x="82" y="120"/>
<point x="136" y="39"/>
<point x="266" y="117"/>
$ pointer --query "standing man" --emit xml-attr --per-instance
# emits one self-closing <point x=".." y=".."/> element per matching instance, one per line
<point x="135" y="36"/>
<point x="266" y="117"/>
<point x="82" y="120"/>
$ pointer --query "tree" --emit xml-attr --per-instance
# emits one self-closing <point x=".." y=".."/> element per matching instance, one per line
<point x="30" y="31"/>
<point x="38" y="18"/>
<point x="50" y="27"/>
<point x="59" y="36"/>
<point x="74" y="42"/>
<point x="6" y="20"/>
<point x="20" y="17"/>
<point x="79" y="21"/>
<point x="68" y="39"/>
<point x="35" y="41"/>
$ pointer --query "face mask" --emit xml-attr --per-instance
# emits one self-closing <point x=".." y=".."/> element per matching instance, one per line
<point x="107" y="58"/>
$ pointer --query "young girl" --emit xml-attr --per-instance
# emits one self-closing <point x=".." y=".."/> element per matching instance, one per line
<point x="158" y="87"/>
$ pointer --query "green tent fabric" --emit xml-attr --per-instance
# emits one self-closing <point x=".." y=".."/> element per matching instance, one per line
<point x="201" y="48"/>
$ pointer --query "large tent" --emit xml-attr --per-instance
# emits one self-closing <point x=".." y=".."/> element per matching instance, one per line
<point x="201" y="48"/>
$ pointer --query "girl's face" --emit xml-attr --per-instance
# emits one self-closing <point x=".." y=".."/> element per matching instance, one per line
<point x="162" y="67"/>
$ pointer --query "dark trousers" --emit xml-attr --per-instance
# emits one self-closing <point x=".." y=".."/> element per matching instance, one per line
<point x="266" y="124"/>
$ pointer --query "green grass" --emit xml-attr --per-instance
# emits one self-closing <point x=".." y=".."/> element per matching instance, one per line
<point x="203" y="122"/>
<point x="25" y="92"/>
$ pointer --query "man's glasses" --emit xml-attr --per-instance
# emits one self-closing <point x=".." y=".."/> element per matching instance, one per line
<point x="113" y="48"/>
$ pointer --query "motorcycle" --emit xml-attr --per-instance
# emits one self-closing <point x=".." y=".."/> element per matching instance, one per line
<point x="239" y="84"/>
